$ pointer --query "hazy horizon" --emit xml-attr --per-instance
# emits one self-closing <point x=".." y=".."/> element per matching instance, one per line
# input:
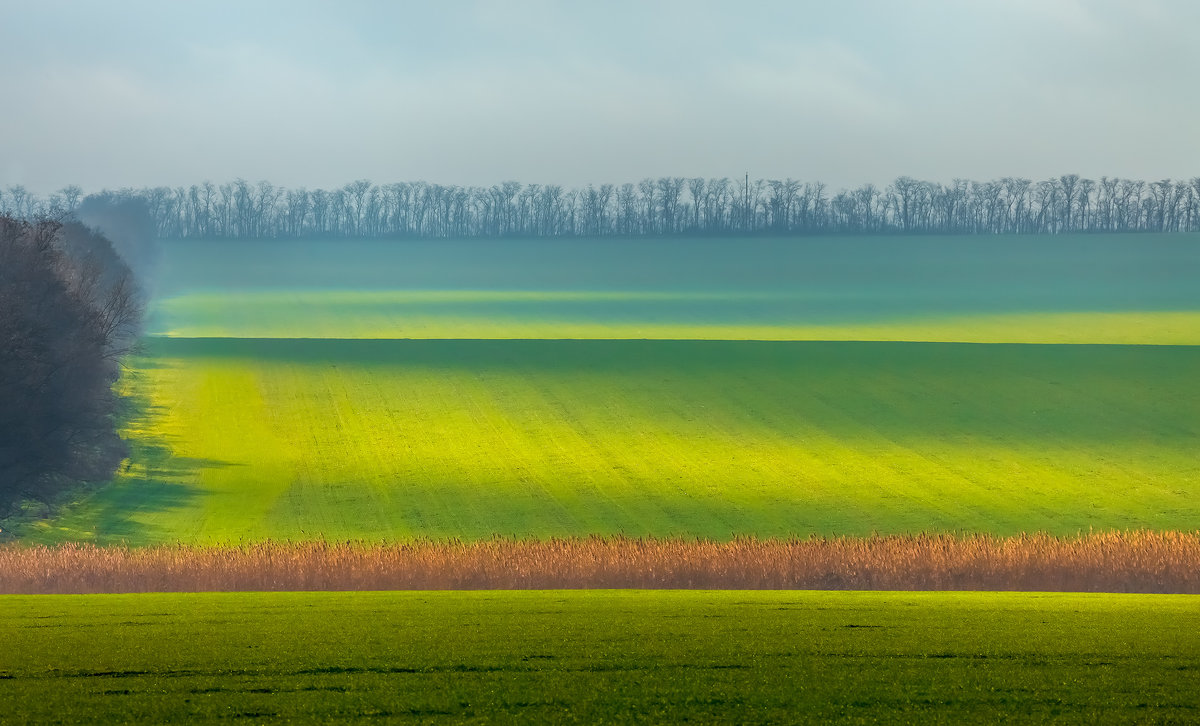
<point x="141" y="94"/>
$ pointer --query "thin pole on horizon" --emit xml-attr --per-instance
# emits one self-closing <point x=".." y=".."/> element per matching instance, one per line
<point x="746" y="205"/>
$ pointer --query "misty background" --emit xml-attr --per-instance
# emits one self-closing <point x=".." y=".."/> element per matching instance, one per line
<point x="140" y="93"/>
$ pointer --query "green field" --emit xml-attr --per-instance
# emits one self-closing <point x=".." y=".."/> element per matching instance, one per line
<point x="1135" y="289"/>
<point x="600" y="656"/>
<point x="390" y="390"/>
<point x="393" y="439"/>
<point x="464" y="389"/>
<point x="564" y="315"/>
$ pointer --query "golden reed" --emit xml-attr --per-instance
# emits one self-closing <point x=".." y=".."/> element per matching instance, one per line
<point x="1099" y="562"/>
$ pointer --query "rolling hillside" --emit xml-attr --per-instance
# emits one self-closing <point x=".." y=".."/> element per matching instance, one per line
<point x="771" y="387"/>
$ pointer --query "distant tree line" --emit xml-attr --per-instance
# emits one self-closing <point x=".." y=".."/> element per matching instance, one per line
<point x="69" y="310"/>
<point x="664" y="206"/>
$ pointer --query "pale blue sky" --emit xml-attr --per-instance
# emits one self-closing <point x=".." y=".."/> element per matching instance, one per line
<point x="123" y="93"/>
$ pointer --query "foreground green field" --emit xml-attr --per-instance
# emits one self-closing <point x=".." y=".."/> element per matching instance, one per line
<point x="601" y="656"/>
<point x="251" y="439"/>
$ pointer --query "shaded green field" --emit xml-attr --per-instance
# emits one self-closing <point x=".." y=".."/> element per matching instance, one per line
<point x="1130" y="289"/>
<point x="968" y="274"/>
<point x="247" y="439"/>
<point x="601" y="656"/>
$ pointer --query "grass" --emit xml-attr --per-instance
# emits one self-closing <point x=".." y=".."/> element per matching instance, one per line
<point x="600" y="656"/>
<point x="1163" y="562"/>
<point x="301" y="439"/>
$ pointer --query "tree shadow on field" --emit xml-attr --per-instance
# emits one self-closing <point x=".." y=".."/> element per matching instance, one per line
<point x="152" y="479"/>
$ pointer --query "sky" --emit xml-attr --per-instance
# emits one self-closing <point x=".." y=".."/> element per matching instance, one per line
<point x="139" y="93"/>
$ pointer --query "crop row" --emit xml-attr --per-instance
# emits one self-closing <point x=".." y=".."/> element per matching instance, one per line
<point x="1135" y="561"/>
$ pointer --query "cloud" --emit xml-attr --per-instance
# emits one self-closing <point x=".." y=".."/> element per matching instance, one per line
<point x="825" y="81"/>
<point x="479" y="92"/>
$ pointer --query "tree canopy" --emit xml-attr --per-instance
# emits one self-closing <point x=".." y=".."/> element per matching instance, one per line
<point x="70" y="311"/>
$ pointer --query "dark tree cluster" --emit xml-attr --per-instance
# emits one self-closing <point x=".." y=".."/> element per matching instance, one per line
<point x="665" y="206"/>
<point x="69" y="311"/>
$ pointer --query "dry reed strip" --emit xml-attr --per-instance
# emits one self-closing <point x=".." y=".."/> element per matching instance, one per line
<point x="1140" y="561"/>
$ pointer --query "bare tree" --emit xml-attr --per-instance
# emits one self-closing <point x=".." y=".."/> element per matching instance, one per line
<point x="1067" y="203"/>
<point x="71" y="311"/>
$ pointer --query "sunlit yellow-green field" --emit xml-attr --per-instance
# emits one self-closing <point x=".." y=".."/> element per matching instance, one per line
<point x="247" y="439"/>
<point x="291" y="404"/>
<point x="558" y="314"/>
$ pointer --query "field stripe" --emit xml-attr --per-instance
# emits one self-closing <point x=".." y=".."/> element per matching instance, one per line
<point x="658" y="316"/>
<point x="395" y="439"/>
